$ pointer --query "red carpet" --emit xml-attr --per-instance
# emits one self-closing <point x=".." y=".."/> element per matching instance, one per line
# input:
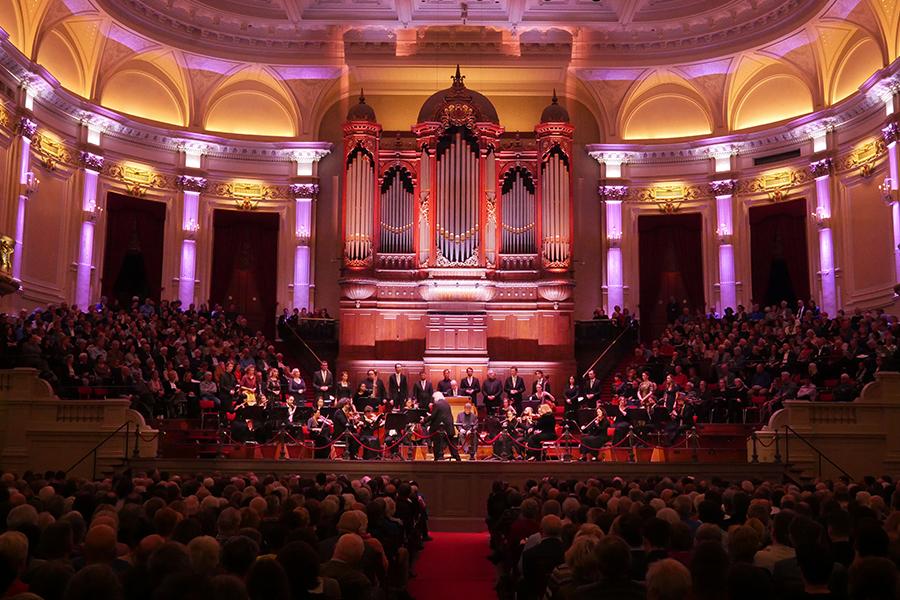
<point x="454" y="566"/>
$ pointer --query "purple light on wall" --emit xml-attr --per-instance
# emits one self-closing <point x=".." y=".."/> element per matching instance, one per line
<point x="301" y="277"/>
<point x="186" y="276"/>
<point x="191" y="210"/>
<point x="85" y="266"/>
<point x="20" y="231"/>
<point x="614" y="289"/>
<point x="727" y="286"/>
<point x="826" y="266"/>
<point x="89" y="190"/>
<point x="25" y="161"/>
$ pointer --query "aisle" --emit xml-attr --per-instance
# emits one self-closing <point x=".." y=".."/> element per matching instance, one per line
<point x="454" y="566"/>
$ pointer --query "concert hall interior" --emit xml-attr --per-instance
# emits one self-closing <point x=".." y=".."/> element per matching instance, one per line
<point x="312" y="252"/>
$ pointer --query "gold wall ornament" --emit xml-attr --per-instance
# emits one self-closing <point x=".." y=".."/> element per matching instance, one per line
<point x="864" y="156"/>
<point x="246" y="194"/>
<point x="7" y="249"/>
<point x="51" y="152"/>
<point x="668" y="197"/>
<point x="137" y="179"/>
<point x="776" y="184"/>
<point x="5" y="119"/>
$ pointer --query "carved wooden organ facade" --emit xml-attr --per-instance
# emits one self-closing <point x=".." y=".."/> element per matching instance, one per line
<point x="455" y="217"/>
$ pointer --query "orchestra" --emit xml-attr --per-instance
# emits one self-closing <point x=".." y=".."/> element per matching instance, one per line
<point x="379" y="421"/>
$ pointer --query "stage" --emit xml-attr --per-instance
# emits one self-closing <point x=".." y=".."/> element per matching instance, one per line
<point x="456" y="492"/>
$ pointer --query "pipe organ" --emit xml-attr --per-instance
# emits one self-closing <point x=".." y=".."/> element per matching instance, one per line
<point x="457" y="235"/>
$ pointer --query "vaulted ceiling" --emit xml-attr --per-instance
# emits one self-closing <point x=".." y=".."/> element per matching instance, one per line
<point x="644" y="69"/>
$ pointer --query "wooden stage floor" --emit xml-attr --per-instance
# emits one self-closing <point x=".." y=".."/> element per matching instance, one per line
<point x="456" y="492"/>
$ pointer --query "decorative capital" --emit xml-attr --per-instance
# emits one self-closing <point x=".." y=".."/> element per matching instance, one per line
<point x="190" y="183"/>
<point x="26" y="127"/>
<point x="613" y="193"/>
<point x="891" y="132"/>
<point x="304" y="190"/>
<point x="821" y="168"/>
<point x="723" y="187"/>
<point x="91" y="161"/>
<point x="309" y="155"/>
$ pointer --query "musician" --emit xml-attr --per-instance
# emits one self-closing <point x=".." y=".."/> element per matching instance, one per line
<point x="249" y="421"/>
<point x="539" y="379"/>
<point x="669" y="390"/>
<point x="594" y="435"/>
<point x="422" y="390"/>
<point x="493" y="392"/>
<point x="542" y="396"/>
<point x="344" y="426"/>
<point x="323" y="381"/>
<point x="320" y="430"/>
<point x="622" y="406"/>
<point x="227" y="385"/>
<point x="363" y="397"/>
<point x="467" y="428"/>
<point x="375" y="387"/>
<point x="514" y="388"/>
<point x="646" y="390"/>
<point x="444" y="384"/>
<point x="505" y="446"/>
<point x="440" y="425"/>
<point x="573" y="398"/>
<point x="681" y="418"/>
<point x="454" y="389"/>
<point x="343" y="389"/>
<point x="297" y="387"/>
<point x="398" y="390"/>
<point x="591" y="390"/>
<point x="544" y="431"/>
<point x="250" y="380"/>
<point x="470" y="386"/>
<point x="293" y="414"/>
<point x="369" y="425"/>
<point x="272" y="388"/>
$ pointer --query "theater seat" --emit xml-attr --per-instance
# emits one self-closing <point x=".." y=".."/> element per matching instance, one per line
<point x="207" y="410"/>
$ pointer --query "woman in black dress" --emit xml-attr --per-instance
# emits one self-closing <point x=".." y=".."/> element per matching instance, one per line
<point x="572" y="394"/>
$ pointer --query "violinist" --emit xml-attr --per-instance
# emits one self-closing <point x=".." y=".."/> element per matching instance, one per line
<point x="504" y="445"/>
<point x="681" y="418"/>
<point x="344" y="427"/>
<point x="542" y="396"/>
<point x="369" y="424"/>
<point x="320" y="430"/>
<point x="593" y="436"/>
<point x="293" y="412"/>
<point x="544" y="431"/>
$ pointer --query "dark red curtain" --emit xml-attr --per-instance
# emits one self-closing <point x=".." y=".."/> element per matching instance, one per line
<point x="244" y="266"/>
<point x="133" y="255"/>
<point x="671" y="266"/>
<point x="778" y="255"/>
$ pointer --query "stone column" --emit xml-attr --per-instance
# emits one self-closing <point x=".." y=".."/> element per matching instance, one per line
<point x="191" y="188"/>
<point x="304" y="197"/>
<point x="723" y="190"/>
<point x="821" y="172"/>
<point x="90" y="210"/>
<point x="613" y="196"/>
<point x="27" y="185"/>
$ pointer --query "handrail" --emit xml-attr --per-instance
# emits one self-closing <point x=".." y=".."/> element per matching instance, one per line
<point x="821" y="455"/>
<point x="606" y="350"/>
<point x="127" y="426"/>
<point x="302" y="341"/>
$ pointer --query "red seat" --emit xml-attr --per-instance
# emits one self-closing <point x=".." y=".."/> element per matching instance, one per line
<point x="758" y="400"/>
<point x="207" y="405"/>
<point x="207" y="409"/>
<point x="84" y="392"/>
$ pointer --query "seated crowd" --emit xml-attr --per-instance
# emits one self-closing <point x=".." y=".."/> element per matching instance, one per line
<point x="665" y="539"/>
<point x="249" y="537"/>
<point x="749" y="362"/>
<point x="165" y="356"/>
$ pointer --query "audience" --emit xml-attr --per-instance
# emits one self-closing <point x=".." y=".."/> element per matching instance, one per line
<point x="150" y="536"/>
<point x="680" y="539"/>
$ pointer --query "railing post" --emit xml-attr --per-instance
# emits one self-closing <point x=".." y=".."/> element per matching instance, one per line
<point x="777" y="448"/>
<point x="136" y="453"/>
<point x="787" y="444"/>
<point x="94" y="467"/>
<point x="754" y="458"/>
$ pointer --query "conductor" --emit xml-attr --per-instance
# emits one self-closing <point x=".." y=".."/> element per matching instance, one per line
<point x="440" y="426"/>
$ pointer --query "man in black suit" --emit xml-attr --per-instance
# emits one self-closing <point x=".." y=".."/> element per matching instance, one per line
<point x="540" y="560"/>
<point x="591" y="389"/>
<point x="323" y="382"/>
<point x="423" y="391"/>
<point x="493" y="391"/>
<point x="398" y="390"/>
<point x="540" y="379"/>
<point x="440" y="426"/>
<point x="470" y="386"/>
<point x="514" y="388"/>
<point x="445" y="384"/>
<point x="343" y="427"/>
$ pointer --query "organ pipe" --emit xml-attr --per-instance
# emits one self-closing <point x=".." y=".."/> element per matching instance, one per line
<point x="555" y="211"/>
<point x="396" y="235"/>
<point x="518" y="222"/>
<point x="360" y="204"/>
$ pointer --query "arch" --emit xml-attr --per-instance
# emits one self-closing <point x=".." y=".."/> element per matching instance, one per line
<point x="771" y="99"/>
<point x="858" y="64"/>
<point x="667" y="115"/>
<point x="144" y="94"/>
<point x="60" y="57"/>
<point x="251" y="112"/>
<point x="11" y="22"/>
<point x="251" y="101"/>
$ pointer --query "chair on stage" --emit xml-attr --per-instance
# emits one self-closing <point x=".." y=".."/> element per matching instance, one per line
<point x="208" y="410"/>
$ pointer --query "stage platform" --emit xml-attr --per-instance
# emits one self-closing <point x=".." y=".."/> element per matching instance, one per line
<point x="456" y="492"/>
